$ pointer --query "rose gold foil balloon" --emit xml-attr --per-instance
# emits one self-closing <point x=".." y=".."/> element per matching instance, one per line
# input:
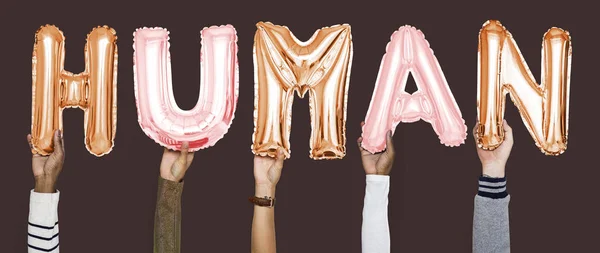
<point x="502" y="69"/>
<point x="158" y="114"/>
<point x="94" y="90"/>
<point x="409" y="52"/>
<point x="283" y="65"/>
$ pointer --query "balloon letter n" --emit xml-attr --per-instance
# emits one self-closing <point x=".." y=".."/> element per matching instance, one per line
<point x="94" y="90"/>
<point x="544" y="108"/>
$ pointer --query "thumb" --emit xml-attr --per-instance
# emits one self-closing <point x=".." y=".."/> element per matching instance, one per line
<point x="279" y="159"/>
<point x="508" y="135"/>
<point x="180" y="165"/>
<point x="363" y="151"/>
<point x="389" y="142"/>
<point x="475" y="129"/>
<point x="30" y="144"/>
<point x="58" y="144"/>
<point x="183" y="153"/>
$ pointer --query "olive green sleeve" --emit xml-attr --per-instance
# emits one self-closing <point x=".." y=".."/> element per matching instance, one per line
<point x="167" y="219"/>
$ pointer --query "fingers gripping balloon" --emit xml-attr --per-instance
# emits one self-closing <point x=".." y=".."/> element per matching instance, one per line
<point x="94" y="90"/>
<point x="158" y="114"/>
<point x="284" y="65"/>
<point x="502" y="69"/>
<point x="407" y="52"/>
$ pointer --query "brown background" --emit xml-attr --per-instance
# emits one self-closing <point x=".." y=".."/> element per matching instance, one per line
<point x="107" y="204"/>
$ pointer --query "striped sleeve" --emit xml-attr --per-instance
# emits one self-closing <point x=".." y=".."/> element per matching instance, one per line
<point x="494" y="188"/>
<point x="43" y="222"/>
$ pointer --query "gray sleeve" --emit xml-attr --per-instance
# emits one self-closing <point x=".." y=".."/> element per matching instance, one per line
<point x="491" y="232"/>
<point x="490" y="225"/>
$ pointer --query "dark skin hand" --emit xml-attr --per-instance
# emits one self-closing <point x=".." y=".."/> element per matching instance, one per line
<point x="46" y="169"/>
<point x="379" y="163"/>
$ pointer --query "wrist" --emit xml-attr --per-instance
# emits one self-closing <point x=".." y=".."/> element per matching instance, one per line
<point x="262" y="190"/>
<point x="45" y="184"/>
<point x="493" y="170"/>
<point x="169" y="178"/>
<point x="378" y="174"/>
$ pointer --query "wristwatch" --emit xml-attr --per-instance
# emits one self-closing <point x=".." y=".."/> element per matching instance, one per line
<point x="264" y="201"/>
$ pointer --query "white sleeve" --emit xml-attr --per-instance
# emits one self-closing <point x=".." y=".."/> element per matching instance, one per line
<point x="43" y="222"/>
<point x="375" y="228"/>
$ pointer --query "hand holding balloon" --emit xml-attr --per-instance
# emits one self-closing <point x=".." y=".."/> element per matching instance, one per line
<point x="174" y="164"/>
<point x="47" y="168"/>
<point x="267" y="171"/>
<point x="379" y="163"/>
<point x="493" y="162"/>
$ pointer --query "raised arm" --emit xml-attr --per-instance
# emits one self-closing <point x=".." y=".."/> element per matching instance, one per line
<point x="491" y="231"/>
<point x="43" y="201"/>
<point x="167" y="219"/>
<point x="267" y="172"/>
<point x="375" y="228"/>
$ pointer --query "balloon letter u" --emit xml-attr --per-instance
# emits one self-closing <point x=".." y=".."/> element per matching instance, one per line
<point x="158" y="114"/>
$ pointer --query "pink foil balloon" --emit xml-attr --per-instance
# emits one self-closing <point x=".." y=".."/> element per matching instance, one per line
<point x="158" y="114"/>
<point x="407" y="52"/>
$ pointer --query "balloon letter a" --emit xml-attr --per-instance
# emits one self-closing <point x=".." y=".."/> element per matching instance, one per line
<point x="407" y="52"/>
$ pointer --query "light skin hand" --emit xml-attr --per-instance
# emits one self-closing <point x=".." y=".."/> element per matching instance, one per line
<point x="46" y="169"/>
<point x="379" y="163"/>
<point x="493" y="162"/>
<point x="267" y="171"/>
<point x="174" y="164"/>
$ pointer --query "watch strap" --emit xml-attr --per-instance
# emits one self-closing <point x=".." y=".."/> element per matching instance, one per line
<point x="262" y="201"/>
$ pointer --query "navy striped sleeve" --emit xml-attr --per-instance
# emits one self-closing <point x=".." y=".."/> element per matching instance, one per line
<point x="42" y="227"/>
<point x="494" y="188"/>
